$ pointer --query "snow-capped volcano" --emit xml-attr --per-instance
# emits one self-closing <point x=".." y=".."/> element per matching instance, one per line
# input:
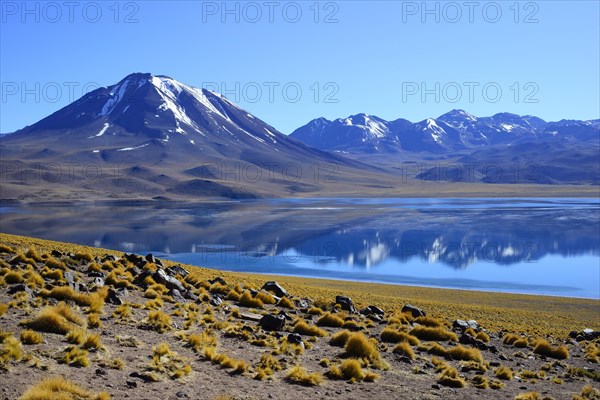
<point x="156" y="121"/>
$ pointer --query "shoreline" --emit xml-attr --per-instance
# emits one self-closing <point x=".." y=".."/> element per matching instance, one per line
<point x="498" y="311"/>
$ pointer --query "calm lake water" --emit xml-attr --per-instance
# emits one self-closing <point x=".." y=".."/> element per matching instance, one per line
<point x="539" y="246"/>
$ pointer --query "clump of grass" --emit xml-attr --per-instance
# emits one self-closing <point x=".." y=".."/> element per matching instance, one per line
<point x="286" y="303"/>
<point x="122" y="312"/>
<point x="83" y="257"/>
<point x="391" y="335"/>
<point x="13" y="277"/>
<point x="94" y="320"/>
<point x="514" y="340"/>
<point x="544" y="348"/>
<point x="151" y="293"/>
<point x="31" y="337"/>
<point x="247" y="300"/>
<point x="6" y="249"/>
<point x="401" y="319"/>
<point x="429" y="321"/>
<point x="265" y="297"/>
<point x="484" y="337"/>
<point x="340" y="338"/>
<point x="465" y="353"/>
<point x="329" y="319"/>
<point x="200" y="341"/>
<point x="267" y="366"/>
<point x="93" y="300"/>
<point x="358" y="345"/>
<point x="92" y="341"/>
<point x="128" y="341"/>
<point x="315" y="311"/>
<point x="504" y="373"/>
<point x="434" y="348"/>
<point x="76" y="357"/>
<point x="529" y="396"/>
<point x="299" y="375"/>
<point x="10" y="350"/>
<point x="56" y="319"/>
<point x="76" y="336"/>
<point x="588" y="392"/>
<point x="115" y="363"/>
<point x="303" y="328"/>
<point x="233" y="295"/>
<point x="481" y="382"/>
<point x="53" y="263"/>
<point x="404" y="349"/>
<point x="168" y="362"/>
<point x="159" y="321"/>
<point x="496" y="384"/>
<point x="351" y="370"/>
<point x="449" y="377"/>
<point x="433" y="334"/>
<point x="55" y="274"/>
<point x="592" y="352"/>
<point x="3" y="309"/>
<point x="119" y="279"/>
<point x="60" y="388"/>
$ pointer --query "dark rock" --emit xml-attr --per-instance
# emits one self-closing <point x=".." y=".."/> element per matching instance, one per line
<point x="139" y="279"/>
<point x="301" y="303"/>
<point x="133" y="258"/>
<point x="285" y="315"/>
<point x="100" y="371"/>
<point x="176" y="294"/>
<point x="247" y="328"/>
<point x="436" y="386"/>
<point x="375" y="317"/>
<point x="20" y="287"/>
<point x="276" y="288"/>
<point x="113" y="297"/>
<point x="403" y="358"/>
<point x="294" y="338"/>
<point x="251" y="316"/>
<point x="467" y="339"/>
<point x="98" y="282"/>
<point x="177" y="270"/>
<point x="109" y="257"/>
<point x="494" y="363"/>
<point x="346" y="303"/>
<point x="216" y="300"/>
<point x="131" y="384"/>
<point x="141" y="264"/>
<point x="217" y="279"/>
<point x="372" y="310"/>
<point x="150" y="258"/>
<point x="56" y="254"/>
<point x="590" y="334"/>
<point x="182" y="395"/>
<point x="95" y="274"/>
<point x="573" y="334"/>
<point x="272" y="322"/>
<point x="503" y="357"/>
<point x="415" y="311"/>
<point x="171" y="283"/>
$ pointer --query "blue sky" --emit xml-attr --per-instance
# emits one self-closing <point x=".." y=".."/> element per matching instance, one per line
<point x="290" y="62"/>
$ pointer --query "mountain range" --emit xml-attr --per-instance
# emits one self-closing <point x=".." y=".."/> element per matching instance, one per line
<point x="451" y="132"/>
<point x="150" y="136"/>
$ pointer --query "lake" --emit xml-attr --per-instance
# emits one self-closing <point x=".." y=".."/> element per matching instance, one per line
<point x="537" y="246"/>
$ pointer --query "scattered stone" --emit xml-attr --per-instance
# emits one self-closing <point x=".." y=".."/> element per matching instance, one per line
<point x="294" y="338"/>
<point x="217" y="279"/>
<point x="171" y="283"/>
<point x="251" y="316"/>
<point x="98" y="282"/>
<point x="56" y="254"/>
<point x="113" y="297"/>
<point x="271" y="322"/>
<point x="272" y="286"/>
<point x="150" y="258"/>
<point x="346" y="303"/>
<point x="216" y="300"/>
<point x="301" y="303"/>
<point x="131" y="384"/>
<point x="285" y="315"/>
<point x="95" y="274"/>
<point x="372" y="310"/>
<point x="20" y="287"/>
<point x="177" y="270"/>
<point x="182" y="395"/>
<point x="435" y="386"/>
<point x="109" y="257"/>
<point x="100" y="371"/>
<point x="415" y="311"/>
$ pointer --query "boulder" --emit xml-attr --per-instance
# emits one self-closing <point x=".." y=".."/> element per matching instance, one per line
<point x="98" y="282"/>
<point x="20" y="287"/>
<point x="216" y="300"/>
<point x="461" y="325"/>
<point x="346" y="303"/>
<point x="114" y="297"/>
<point x="150" y="258"/>
<point x="415" y="311"/>
<point x="276" y="288"/>
<point x="56" y="254"/>
<point x="372" y="310"/>
<point x="217" y="279"/>
<point x="294" y="338"/>
<point x="251" y="316"/>
<point x="177" y="270"/>
<point x="272" y="322"/>
<point x="171" y="283"/>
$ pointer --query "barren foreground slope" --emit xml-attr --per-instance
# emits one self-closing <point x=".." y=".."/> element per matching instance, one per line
<point x="140" y="328"/>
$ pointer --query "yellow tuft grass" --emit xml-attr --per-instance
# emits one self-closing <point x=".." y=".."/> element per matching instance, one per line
<point x="504" y="373"/>
<point x="481" y="382"/>
<point x="299" y="375"/>
<point x="391" y="335"/>
<point x="484" y="337"/>
<point x="287" y="303"/>
<point x="544" y="348"/>
<point x="358" y="345"/>
<point x="76" y="357"/>
<point x="199" y="341"/>
<point x="265" y="297"/>
<point x="449" y="377"/>
<point x="429" y="321"/>
<point x="529" y="396"/>
<point x="404" y="349"/>
<point x="159" y="321"/>
<point x="340" y="338"/>
<point x="56" y="319"/>
<point x="433" y="334"/>
<point x="3" y="309"/>
<point x="93" y="300"/>
<point x="59" y="388"/>
<point x="514" y="340"/>
<point x="329" y="319"/>
<point x="303" y="328"/>
<point x="247" y="300"/>
<point x="31" y="337"/>
<point x="10" y="350"/>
